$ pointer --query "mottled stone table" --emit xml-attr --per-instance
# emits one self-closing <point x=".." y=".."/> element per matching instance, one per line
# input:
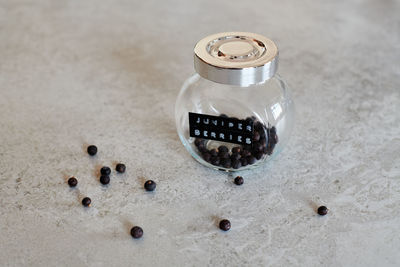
<point x="74" y="73"/>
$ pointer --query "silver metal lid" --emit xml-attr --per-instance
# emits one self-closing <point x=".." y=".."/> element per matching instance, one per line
<point x="236" y="58"/>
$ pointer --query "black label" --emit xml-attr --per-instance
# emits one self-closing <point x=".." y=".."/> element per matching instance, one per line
<point x="221" y="128"/>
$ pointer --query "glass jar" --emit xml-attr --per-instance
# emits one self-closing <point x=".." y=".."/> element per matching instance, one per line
<point x="235" y="113"/>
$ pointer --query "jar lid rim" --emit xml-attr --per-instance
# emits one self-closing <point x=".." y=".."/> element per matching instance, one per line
<point x="237" y="58"/>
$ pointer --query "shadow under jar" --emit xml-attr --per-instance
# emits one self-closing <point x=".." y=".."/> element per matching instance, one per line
<point x="235" y="113"/>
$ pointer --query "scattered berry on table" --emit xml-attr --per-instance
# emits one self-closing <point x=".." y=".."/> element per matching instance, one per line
<point x="120" y="168"/>
<point x="136" y="232"/>
<point x="105" y="170"/>
<point x="92" y="150"/>
<point x="86" y="202"/>
<point x="225" y="225"/>
<point x="322" y="210"/>
<point x="72" y="182"/>
<point x="239" y="180"/>
<point x="104" y="179"/>
<point x="150" y="185"/>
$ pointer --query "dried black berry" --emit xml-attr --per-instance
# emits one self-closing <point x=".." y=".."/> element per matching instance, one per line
<point x="223" y="155"/>
<point x="251" y="160"/>
<point x="246" y="153"/>
<point x="224" y="225"/>
<point x="136" y="232"/>
<point x="322" y="210"/>
<point x="273" y="138"/>
<point x="198" y="141"/>
<point x="262" y="134"/>
<point x="258" y="126"/>
<point x="243" y="161"/>
<point x="206" y="156"/>
<point x="215" y="161"/>
<point x="226" y="162"/>
<point x="86" y="202"/>
<point x="120" y="168"/>
<point x="269" y="149"/>
<point x="236" y="164"/>
<point x="247" y="148"/>
<point x="150" y="185"/>
<point x="259" y="155"/>
<point x="236" y="149"/>
<point x="92" y="150"/>
<point x="72" y="182"/>
<point x="235" y="156"/>
<point x="263" y="142"/>
<point x="202" y="147"/>
<point x="256" y="136"/>
<point x="222" y="149"/>
<point x="250" y="120"/>
<point x="104" y="179"/>
<point x="213" y="152"/>
<point x="105" y="170"/>
<point x="239" y="180"/>
<point x="257" y="147"/>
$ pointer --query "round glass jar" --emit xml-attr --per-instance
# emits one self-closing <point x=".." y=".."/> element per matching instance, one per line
<point x="235" y="113"/>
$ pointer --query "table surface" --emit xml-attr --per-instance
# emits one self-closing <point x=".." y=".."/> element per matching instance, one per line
<point x="74" y="73"/>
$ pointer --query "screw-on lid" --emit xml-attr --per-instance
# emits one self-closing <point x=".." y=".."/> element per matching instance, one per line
<point x="236" y="58"/>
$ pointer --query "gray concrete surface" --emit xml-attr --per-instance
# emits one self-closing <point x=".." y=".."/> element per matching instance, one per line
<point x="74" y="73"/>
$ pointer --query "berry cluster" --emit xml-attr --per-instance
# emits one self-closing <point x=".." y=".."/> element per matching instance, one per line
<point x="264" y="141"/>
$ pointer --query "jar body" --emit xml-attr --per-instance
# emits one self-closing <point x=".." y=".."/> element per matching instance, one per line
<point x="268" y="105"/>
